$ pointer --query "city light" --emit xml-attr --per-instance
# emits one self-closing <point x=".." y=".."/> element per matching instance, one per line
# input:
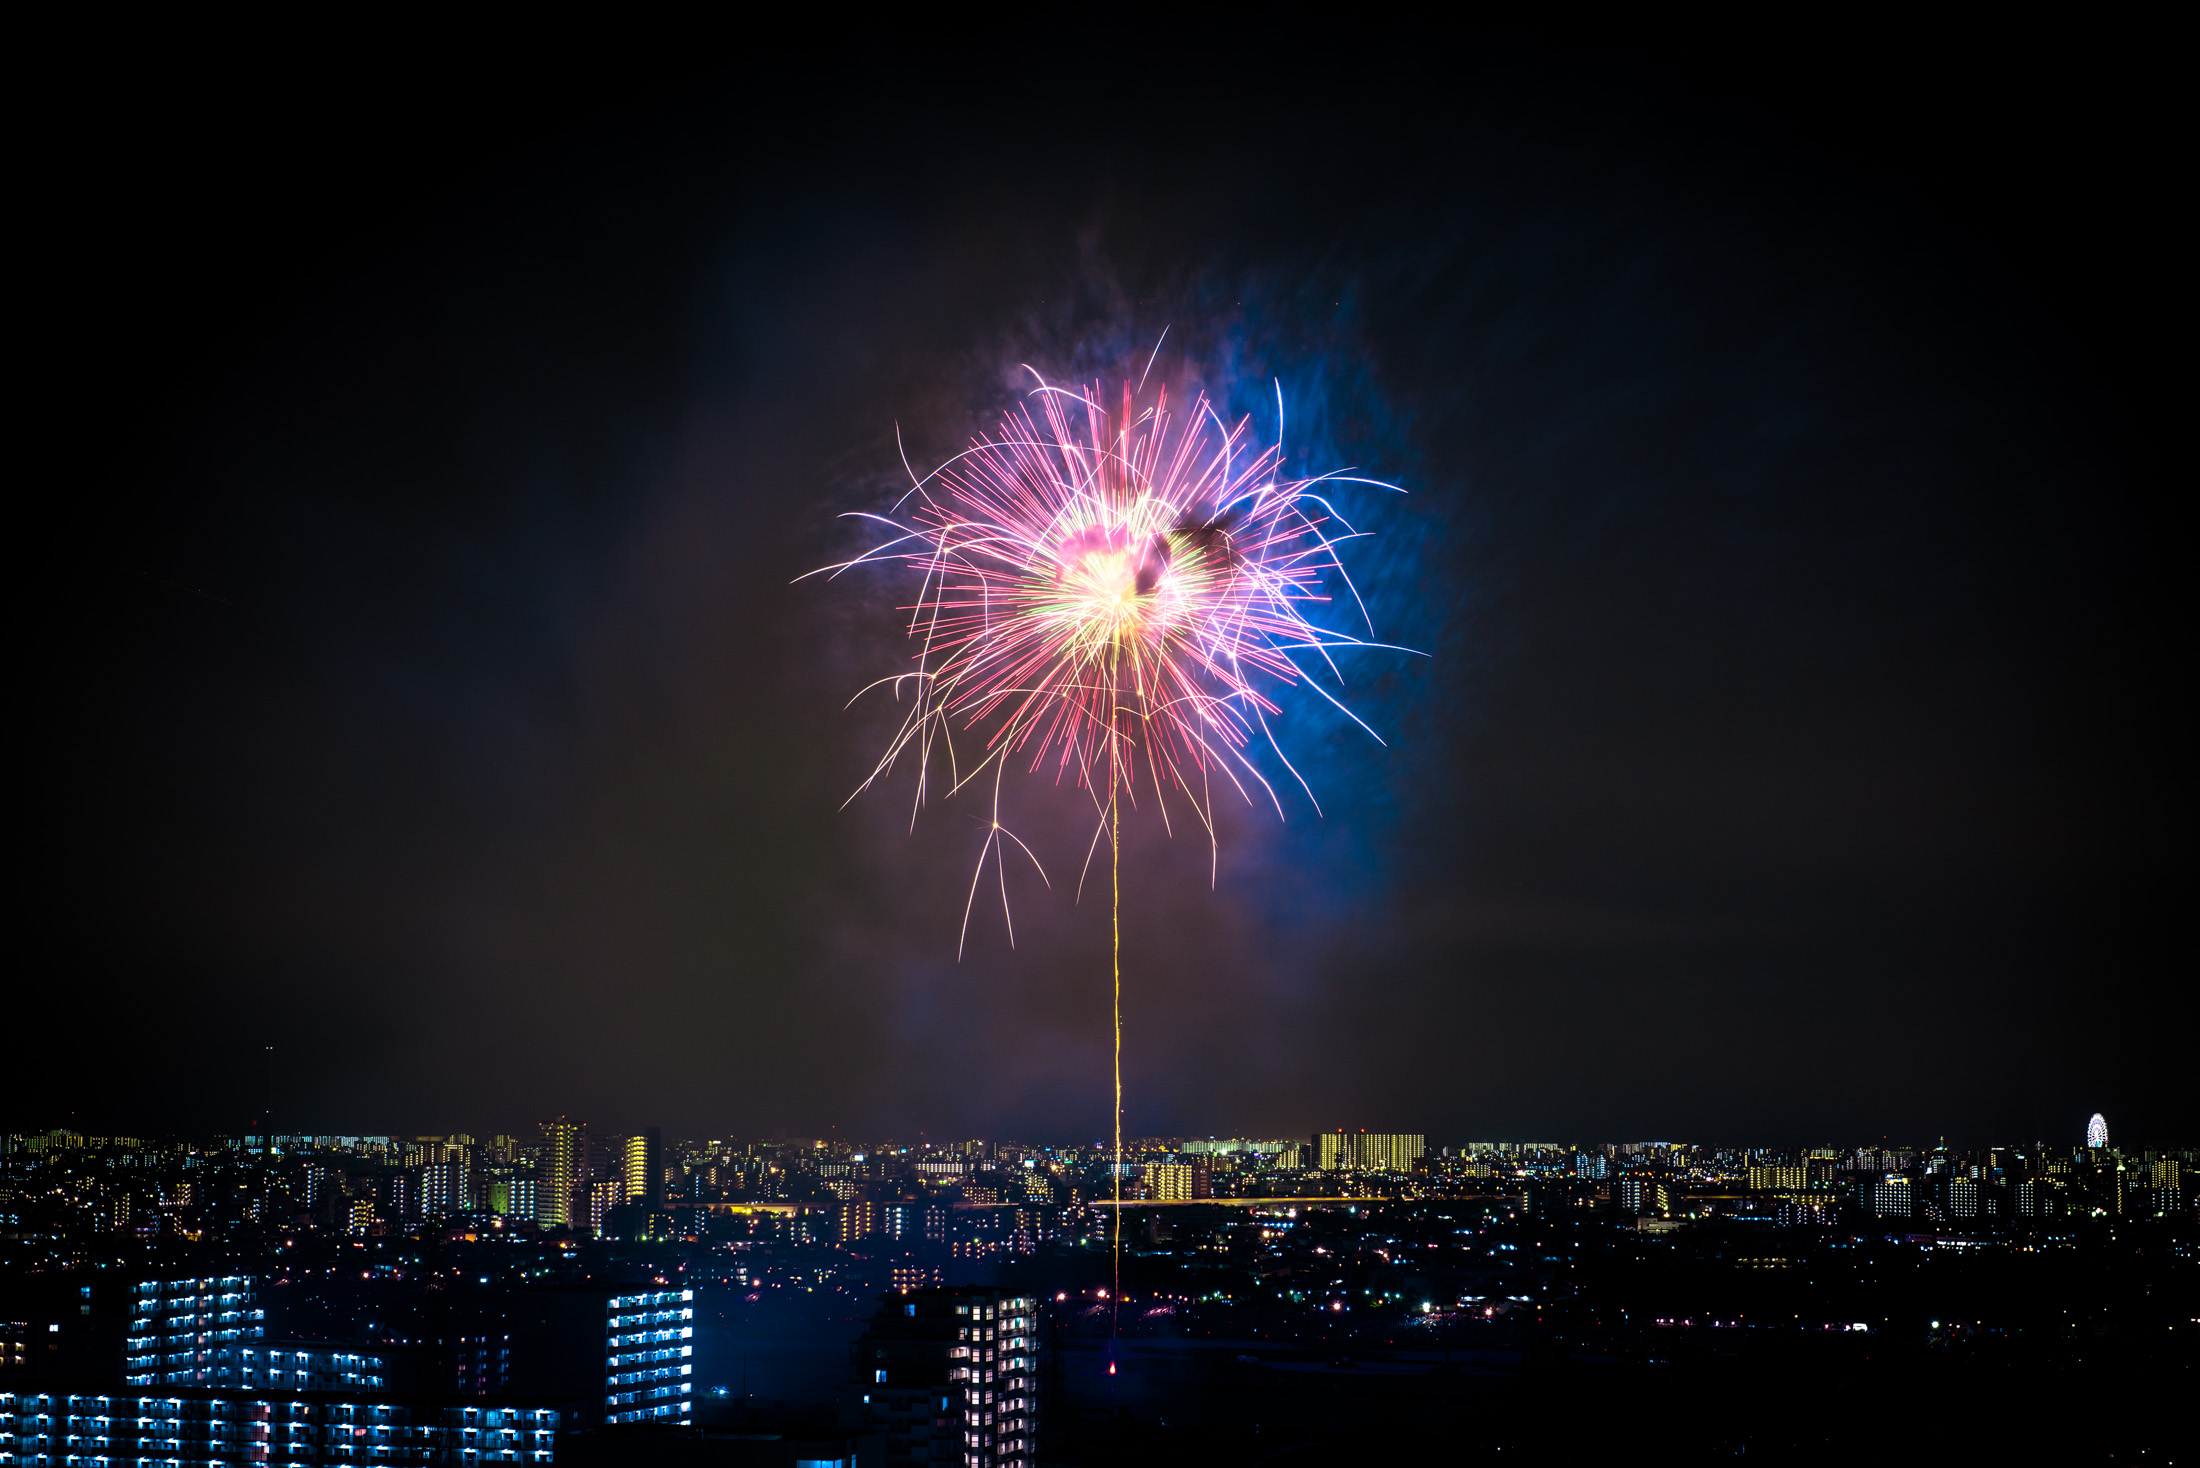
<point x="1458" y="1244"/>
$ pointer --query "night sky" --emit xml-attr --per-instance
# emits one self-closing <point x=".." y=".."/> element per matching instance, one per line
<point x="422" y="448"/>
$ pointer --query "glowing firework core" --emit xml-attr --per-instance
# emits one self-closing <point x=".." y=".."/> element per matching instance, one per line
<point x="1115" y="586"/>
<point x="1105" y="590"/>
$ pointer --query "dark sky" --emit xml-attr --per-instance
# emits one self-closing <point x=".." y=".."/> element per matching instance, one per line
<point x="412" y="677"/>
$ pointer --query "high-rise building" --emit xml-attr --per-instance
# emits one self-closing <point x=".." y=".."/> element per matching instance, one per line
<point x="1890" y="1197"/>
<point x="1778" y="1178"/>
<point x="193" y="1332"/>
<point x="2096" y="1131"/>
<point x="1639" y="1194"/>
<point x="564" y="1158"/>
<point x="859" y="1219"/>
<point x="443" y="1189"/>
<point x="403" y="1192"/>
<point x="652" y="1358"/>
<point x="1178" y="1182"/>
<point x="1342" y="1151"/>
<point x="602" y="1198"/>
<point x="512" y="1196"/>
<point x="951" y="1376"/>
<point x="643" y="1167"/>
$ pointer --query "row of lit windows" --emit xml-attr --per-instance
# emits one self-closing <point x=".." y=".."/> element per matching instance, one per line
<point x="663" y="1320"/>
<point x="654" y="1394"/>
<point x="616" y="1363"/>
<point x="149" y="1408"/>
<point x="647" y="1414"/>
<point x="229" y="1286"/>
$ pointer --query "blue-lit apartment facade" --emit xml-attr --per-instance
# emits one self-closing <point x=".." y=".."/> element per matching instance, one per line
<point x="651" y="1359"/>
<point x="193" y="1332"/>
<point x="212" y="1333"/>
<point x="305" y="1367"/>
<point x="216" y="1429"/>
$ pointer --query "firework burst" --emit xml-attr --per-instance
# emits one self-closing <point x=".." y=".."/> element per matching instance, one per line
<point x="1112" y="599"/>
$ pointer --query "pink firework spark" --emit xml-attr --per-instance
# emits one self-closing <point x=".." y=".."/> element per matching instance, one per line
<point x="1112" y="598"/>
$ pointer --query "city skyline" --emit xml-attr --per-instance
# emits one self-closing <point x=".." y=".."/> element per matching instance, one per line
<point x="1676" y="531"/>
<point x="583" y="1295"/>
<point x="637" y="1143"/>
<point x="566" y="1181"/>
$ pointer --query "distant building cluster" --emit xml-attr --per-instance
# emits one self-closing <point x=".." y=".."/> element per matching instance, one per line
<point x="973" y="1199"/>
<point x="295" y="1299"/>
